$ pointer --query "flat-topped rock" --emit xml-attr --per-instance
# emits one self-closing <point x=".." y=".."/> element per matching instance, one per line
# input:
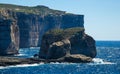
<point x="78" y="58"/>
<point x="7" y="61"/>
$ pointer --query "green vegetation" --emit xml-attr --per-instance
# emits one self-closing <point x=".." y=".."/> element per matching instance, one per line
<point x="65" y="33"/>
<point x="39" y="10"/>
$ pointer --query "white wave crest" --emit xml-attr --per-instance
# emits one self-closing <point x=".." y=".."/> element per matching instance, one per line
<point x="22" y="65"/>
<point x="20" y="55"/>
<point x="98" y="61"/>
<point x="95" y="61"/>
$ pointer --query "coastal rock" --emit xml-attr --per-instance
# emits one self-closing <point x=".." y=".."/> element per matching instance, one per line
<point x="28" y="24"/>
<point x="7" y="61"/>
<point x="31" y="24"/>
<point x="77" y="43"/>
<point x="77" y="58"/>
<point x="83" y="44"/>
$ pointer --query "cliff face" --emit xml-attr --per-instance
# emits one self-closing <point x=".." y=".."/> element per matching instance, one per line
<point x="32" y="27"/>
<point x="9" y="34"/>
<point x="24" y="26"/>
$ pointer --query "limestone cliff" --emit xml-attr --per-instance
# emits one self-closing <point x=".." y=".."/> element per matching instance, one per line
<point x="32" y="27"/>
<point x="9" y="34"/>
<point x="30" y="23"/>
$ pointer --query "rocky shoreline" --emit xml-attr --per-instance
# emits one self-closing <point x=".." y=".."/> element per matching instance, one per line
<point x="70" y="45"/>
<point x="7" y="61"/>
<point x="61" y="36"/>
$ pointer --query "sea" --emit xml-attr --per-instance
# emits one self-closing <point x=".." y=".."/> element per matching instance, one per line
<point x="107" y="61"/>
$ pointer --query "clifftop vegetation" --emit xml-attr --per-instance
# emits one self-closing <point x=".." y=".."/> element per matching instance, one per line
<point x="39" y="10"/>
<point x="67" y="33"/>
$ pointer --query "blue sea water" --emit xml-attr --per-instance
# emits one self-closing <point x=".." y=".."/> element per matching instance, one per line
<point x="107" y="61"/>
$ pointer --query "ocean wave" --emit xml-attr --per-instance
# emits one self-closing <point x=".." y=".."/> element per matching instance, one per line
<point x="19" y="54"/>
<point x="95" y="61"/>
<point x="62" y="63"/>
<point x="99" y="61"/>
<point x="22" y="65"/>
<point x="104" y="47"/>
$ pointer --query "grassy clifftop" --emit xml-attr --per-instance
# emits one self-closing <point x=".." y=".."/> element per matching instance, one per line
<point x="40" y="10"/>
<point x="65" y="33"/>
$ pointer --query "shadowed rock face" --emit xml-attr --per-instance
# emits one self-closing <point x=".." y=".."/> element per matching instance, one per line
<point x="59" y="49"/>
<point x="9" y="37"/>
<point x="60" y="43"/>
<point x="84" y="45"/>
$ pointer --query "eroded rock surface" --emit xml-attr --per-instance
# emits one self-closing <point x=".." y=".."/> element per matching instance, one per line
<point x="59" y="49"/>
<point x="69" y="43"/>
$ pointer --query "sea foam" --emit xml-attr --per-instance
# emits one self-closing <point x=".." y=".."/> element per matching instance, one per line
<point x="95" y="61"/>
<point x="99" y="61"/>
<point x="22" y="65"/>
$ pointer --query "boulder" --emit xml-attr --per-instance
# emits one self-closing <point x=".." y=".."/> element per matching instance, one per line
<point x="59" y="49"/>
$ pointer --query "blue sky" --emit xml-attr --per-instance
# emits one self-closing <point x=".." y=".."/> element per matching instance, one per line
<point x="102" y="17"/>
